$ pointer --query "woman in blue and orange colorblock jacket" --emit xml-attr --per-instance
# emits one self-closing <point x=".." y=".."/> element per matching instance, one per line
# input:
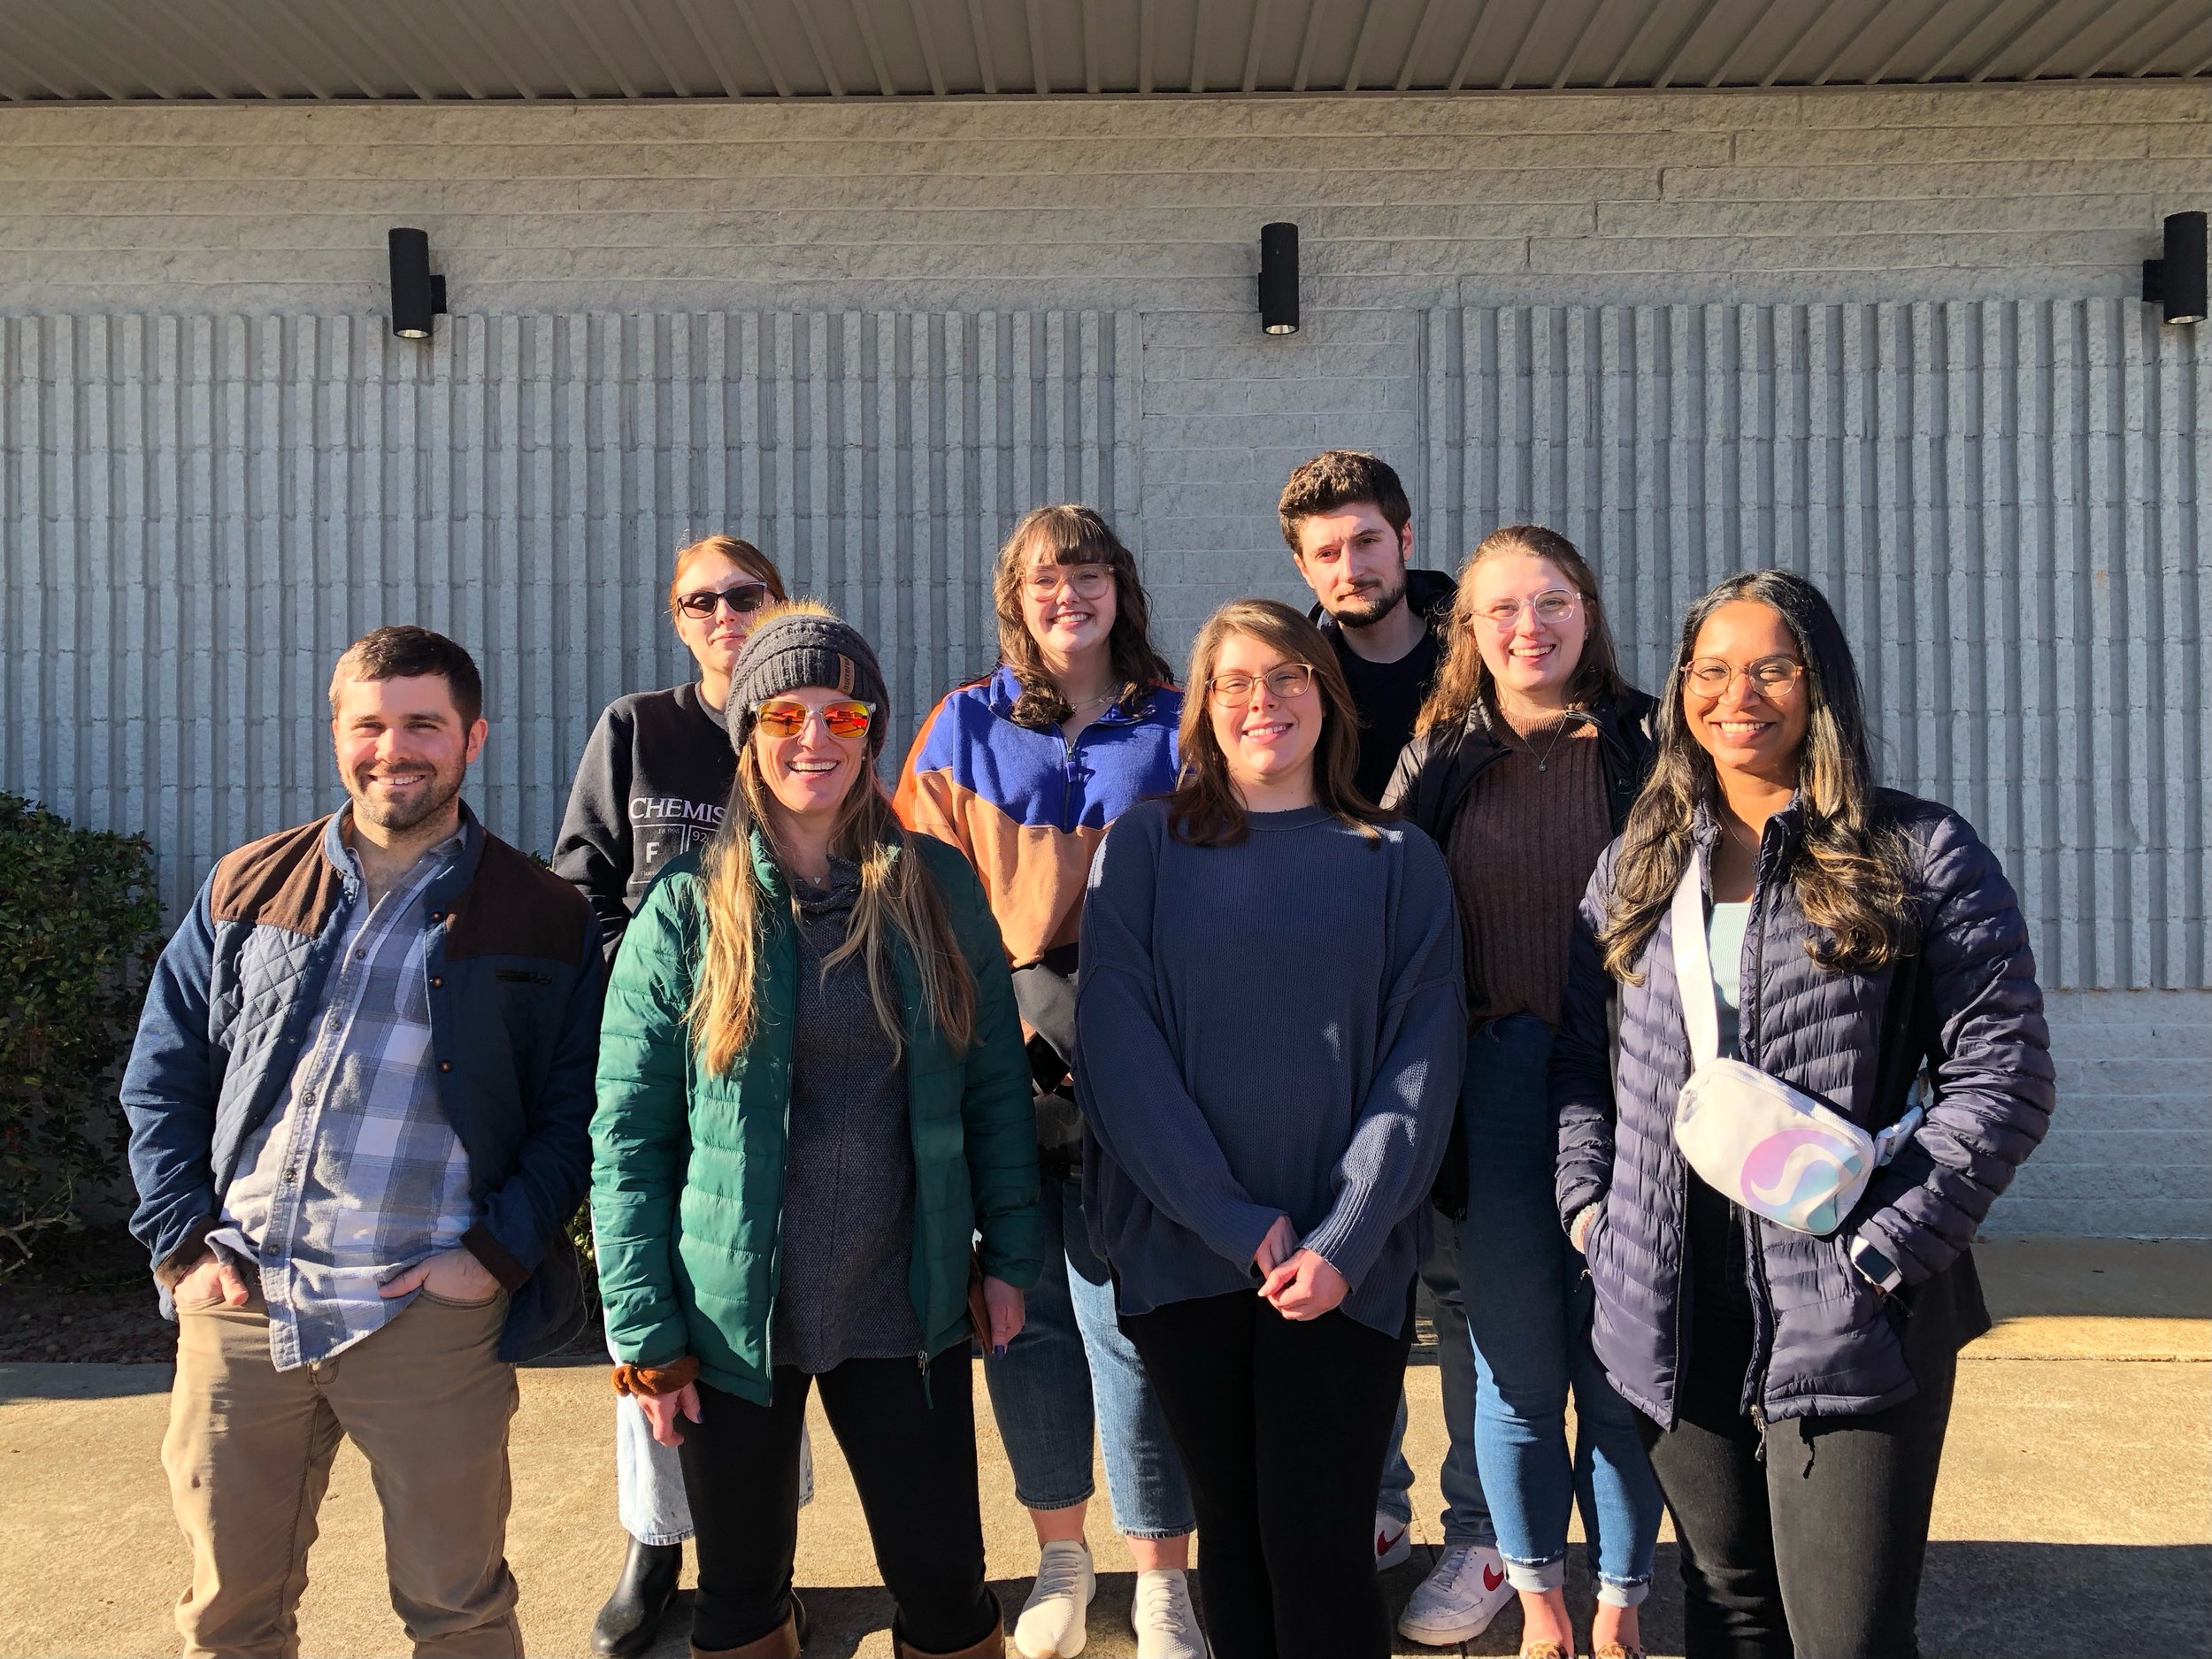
<point x="1022" y="772"/>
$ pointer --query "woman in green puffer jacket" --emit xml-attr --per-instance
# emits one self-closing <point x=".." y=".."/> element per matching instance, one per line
<point x="813" y="1098"/>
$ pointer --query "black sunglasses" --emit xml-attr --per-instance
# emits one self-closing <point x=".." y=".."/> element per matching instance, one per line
<point x="744" y="599"/>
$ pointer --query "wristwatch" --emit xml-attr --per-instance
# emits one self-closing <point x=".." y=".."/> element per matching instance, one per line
<point x="1876" y="1267"/>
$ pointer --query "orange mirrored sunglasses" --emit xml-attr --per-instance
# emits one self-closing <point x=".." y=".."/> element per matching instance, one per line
<point x="785" y="717"/>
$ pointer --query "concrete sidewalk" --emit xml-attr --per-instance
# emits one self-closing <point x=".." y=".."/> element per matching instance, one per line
<point x="2074" y="1516"/>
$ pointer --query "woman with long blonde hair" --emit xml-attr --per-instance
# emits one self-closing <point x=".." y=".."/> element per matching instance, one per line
<point x="651" y="785"/>
<point x="1269" y="1036"/>
<point x="1524" y="763"/>
<point x="1023" y="770"/>
<point x="811" y="1051"/>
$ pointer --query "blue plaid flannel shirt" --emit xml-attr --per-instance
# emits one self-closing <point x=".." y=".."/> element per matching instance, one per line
<point x="356" y="1175"/>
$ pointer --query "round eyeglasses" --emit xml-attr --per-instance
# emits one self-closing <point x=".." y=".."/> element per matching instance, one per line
<point x="1291" y="680"/>
<point x="1553" y="607"/>
<point x="1710" y="676"/>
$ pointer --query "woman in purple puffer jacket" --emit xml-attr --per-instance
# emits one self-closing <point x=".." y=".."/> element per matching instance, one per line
<point x="1797" y="1385"/>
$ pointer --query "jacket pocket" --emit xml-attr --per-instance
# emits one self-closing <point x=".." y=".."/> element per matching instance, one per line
<point x="1596" y="1232"/>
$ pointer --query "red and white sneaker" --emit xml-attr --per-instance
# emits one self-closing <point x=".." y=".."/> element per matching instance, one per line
<point x="1393" y="1542"/>
<point x="1457" y="1600"/>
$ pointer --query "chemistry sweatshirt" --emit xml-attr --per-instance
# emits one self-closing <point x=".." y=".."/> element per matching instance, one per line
<point x="653" y="785"/>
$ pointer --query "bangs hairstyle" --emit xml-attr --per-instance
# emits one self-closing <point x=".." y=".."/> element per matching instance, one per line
<point x="1463" y="682"/>
<point x="1342" y="478"/>
<point x="1206" y="808"/>
<point x="408" y="652"/>
<point x="897" y="894"/>
<point x="1070" y="534"/>
<point x="741" y="553"/>
<point x="1852" y="869"/>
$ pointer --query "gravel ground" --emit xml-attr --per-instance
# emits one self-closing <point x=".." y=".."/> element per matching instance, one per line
<point x="83" y="1296"/>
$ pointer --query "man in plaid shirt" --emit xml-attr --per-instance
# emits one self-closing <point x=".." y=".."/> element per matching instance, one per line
<point x="359" y="1104"/>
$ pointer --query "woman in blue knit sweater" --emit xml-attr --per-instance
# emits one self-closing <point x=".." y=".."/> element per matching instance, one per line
<point x="1271" y="984"/>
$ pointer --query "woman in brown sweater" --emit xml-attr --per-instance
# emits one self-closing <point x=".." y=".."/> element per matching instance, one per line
<point x="1523" y="766"/>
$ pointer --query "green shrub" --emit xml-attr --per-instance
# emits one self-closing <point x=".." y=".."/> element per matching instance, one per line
<point x="80" y="923"/>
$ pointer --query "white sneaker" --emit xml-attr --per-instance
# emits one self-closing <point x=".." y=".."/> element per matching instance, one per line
<point x="1458" y="1600"/>
<point x="1162" y="1617"/>
<point x="1051" y="1624"/>
<point x="1393" y="1542"/>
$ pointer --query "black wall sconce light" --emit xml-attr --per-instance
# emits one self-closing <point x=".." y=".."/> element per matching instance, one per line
<point x="417" y="296"/>
<point x="2176" y="283"/>
<point x="1279" y="279"/>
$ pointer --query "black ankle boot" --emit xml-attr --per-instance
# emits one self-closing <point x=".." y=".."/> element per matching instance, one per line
<point x="627" y="1625"/>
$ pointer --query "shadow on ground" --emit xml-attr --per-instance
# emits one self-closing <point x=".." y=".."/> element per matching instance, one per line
<point x="841" y="1617"/>
<point x="1981" y="1601"/>
<point x="82" y="1382"/>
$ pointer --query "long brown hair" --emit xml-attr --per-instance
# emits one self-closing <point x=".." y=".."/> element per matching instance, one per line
<point x="739" y="552"/>
<point x="1206" y="808"/>
<point x="1852" y="872"/>
<point x="1071" y="533"/>
<point x="1463" y="682"/>
<point x="897" y="892"/>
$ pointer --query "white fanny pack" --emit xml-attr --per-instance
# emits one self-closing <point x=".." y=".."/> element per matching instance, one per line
<point x="1775" y="1150"/>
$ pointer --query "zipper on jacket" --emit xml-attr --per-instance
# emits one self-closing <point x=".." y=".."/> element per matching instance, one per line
<point x="1754" y="1253"/>
<point x="1682" y="1290"/>
<point x="1068" y="746"/>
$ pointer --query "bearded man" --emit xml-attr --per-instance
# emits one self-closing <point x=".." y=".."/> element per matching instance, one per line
<point x="360" y="1107"/>
<point x="1350" y="530"/>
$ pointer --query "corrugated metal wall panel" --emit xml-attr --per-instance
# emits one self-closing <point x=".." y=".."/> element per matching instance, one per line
<point x="201" y="513"/>
<point x="2006" y="501"/>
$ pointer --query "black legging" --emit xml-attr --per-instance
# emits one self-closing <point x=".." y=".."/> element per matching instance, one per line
<point x="1282" y="1426"/>
<point x="1814" y="1552"/>
<point x="913" y="1459"/>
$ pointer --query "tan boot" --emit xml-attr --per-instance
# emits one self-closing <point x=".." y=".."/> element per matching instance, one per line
<point x="785" y="1641"/>
<point x="992" y="1647"/>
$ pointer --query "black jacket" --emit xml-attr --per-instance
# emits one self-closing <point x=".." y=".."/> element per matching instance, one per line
<point x="1438" y="769"/>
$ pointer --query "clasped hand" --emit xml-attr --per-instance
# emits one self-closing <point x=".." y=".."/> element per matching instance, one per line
<point x="1298" y="1283"/>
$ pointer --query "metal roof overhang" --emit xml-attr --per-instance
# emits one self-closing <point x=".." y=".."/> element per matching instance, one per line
<point x="439" y="51"/>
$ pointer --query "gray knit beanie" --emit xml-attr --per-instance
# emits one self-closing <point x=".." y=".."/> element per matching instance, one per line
<point x="803" y="645"/>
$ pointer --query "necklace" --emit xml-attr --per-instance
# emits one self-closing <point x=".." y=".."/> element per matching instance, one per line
<point x="1543" y="761"/>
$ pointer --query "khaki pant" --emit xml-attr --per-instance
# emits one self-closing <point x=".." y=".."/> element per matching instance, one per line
<point x="249" y="1453"/>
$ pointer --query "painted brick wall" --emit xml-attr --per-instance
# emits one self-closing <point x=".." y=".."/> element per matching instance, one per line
<point x="2130" y="1151"/>
<point x="1404" y="201"/>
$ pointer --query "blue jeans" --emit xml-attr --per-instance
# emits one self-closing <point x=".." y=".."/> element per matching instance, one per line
<point x="649" y="1481"/>
<point x="1466" y="1515"/>
<point x="1532" y="1336"/>
<point x="1072" y="1368"/>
